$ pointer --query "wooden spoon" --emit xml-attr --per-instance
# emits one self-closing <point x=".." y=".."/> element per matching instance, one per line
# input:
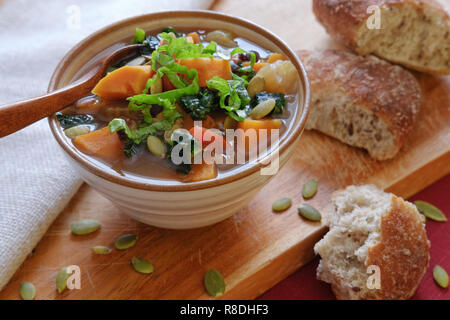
<point x="16" y="116"/>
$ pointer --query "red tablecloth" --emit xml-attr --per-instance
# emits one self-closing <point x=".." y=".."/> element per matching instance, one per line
<point x="304" y="285"/>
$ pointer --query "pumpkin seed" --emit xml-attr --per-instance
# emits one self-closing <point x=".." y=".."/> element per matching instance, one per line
<point x="101" y="250"/>
<point x="430" y="211"/>
<point x="157" y="87"/>
<point x="222" y="38"/>
<point x="281" y="204"/>
<point x="126" y="241"/>
<point x="309" y="188"/>
<point x="262" y="109"/>
<point x="214" y="283"/>
<point x="255" y="86"/>
<point x="156" y="146"/>
<point x="85" y="226"/>
<point x="27" y="291"/>
<point x="440" y="276"/>
<point x="77" y="131"/>
<point x="309" y="212"/>
<point x="229" y="123"/>
<point x="142" y="265"/>
<point x="61" y="279"/>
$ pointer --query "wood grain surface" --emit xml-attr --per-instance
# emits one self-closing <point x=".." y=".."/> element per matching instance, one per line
<point x="256" y="248"/>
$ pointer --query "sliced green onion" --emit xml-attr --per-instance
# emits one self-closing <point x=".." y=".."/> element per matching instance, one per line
<point x="139" y="36"/>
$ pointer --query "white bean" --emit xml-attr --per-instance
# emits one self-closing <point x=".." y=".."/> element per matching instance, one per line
<point x="222" y="38"/>
<point x="255" y="86"/>
<point x="136" y="61"/>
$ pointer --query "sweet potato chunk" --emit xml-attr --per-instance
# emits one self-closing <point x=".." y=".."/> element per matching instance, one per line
<point x="100" y="143"/>
<point x="195" y="37"/>
<point x="258" y="66"/>
<point x="275" y="57"/>
<point x="268" y="124"/>
<point x="248" y="124"/>
<point x="208" y="68"/>
<point x="200" y="172"/>
<point x="123" y="82"/>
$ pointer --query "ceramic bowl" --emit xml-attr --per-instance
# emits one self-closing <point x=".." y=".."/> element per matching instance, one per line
<point x="174" y="205"/>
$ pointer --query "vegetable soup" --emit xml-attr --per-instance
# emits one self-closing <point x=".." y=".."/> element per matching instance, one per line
<point x="157" y="114"/>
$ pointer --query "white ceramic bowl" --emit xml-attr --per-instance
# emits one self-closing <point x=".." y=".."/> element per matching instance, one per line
<point x="175" y="205"/>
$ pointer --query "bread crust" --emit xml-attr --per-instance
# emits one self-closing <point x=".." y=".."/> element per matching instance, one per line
<point x="402" y="253"/>
<point x="343" y="19"/>
<point x="391" y="93"/>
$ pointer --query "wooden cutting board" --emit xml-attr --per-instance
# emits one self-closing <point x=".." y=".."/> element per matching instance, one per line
<point x="256" y="248"/>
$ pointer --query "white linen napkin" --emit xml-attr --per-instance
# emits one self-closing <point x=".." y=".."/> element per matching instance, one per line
<point x="36" y="182"/>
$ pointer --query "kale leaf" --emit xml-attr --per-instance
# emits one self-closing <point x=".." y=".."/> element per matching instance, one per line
<point x="69" y="121"/>
<point x="150" y="44"/>
<point x="280" y="102"/>
<point x="201" y="104"/>
<point x="131" y="148"/>
<point x="181" y="168"/>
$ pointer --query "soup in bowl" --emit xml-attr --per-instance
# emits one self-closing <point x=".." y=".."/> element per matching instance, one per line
<point x="183" y="133"/>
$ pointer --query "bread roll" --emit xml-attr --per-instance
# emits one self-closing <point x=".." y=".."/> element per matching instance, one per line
<point x="371" y="229"/>
<point x="414" y="33"/>
<point x="362" y="101"/>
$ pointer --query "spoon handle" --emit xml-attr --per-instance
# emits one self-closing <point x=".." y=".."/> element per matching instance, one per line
<point x="18" y="115"/>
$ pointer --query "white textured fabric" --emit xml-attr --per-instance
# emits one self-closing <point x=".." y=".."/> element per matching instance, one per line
<point x="36" y="182"/>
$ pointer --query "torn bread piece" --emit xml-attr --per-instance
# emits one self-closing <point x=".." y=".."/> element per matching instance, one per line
<point x="377" y="247"/>
<point x="362" y="101"/>
<point x="413" y="33"/>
